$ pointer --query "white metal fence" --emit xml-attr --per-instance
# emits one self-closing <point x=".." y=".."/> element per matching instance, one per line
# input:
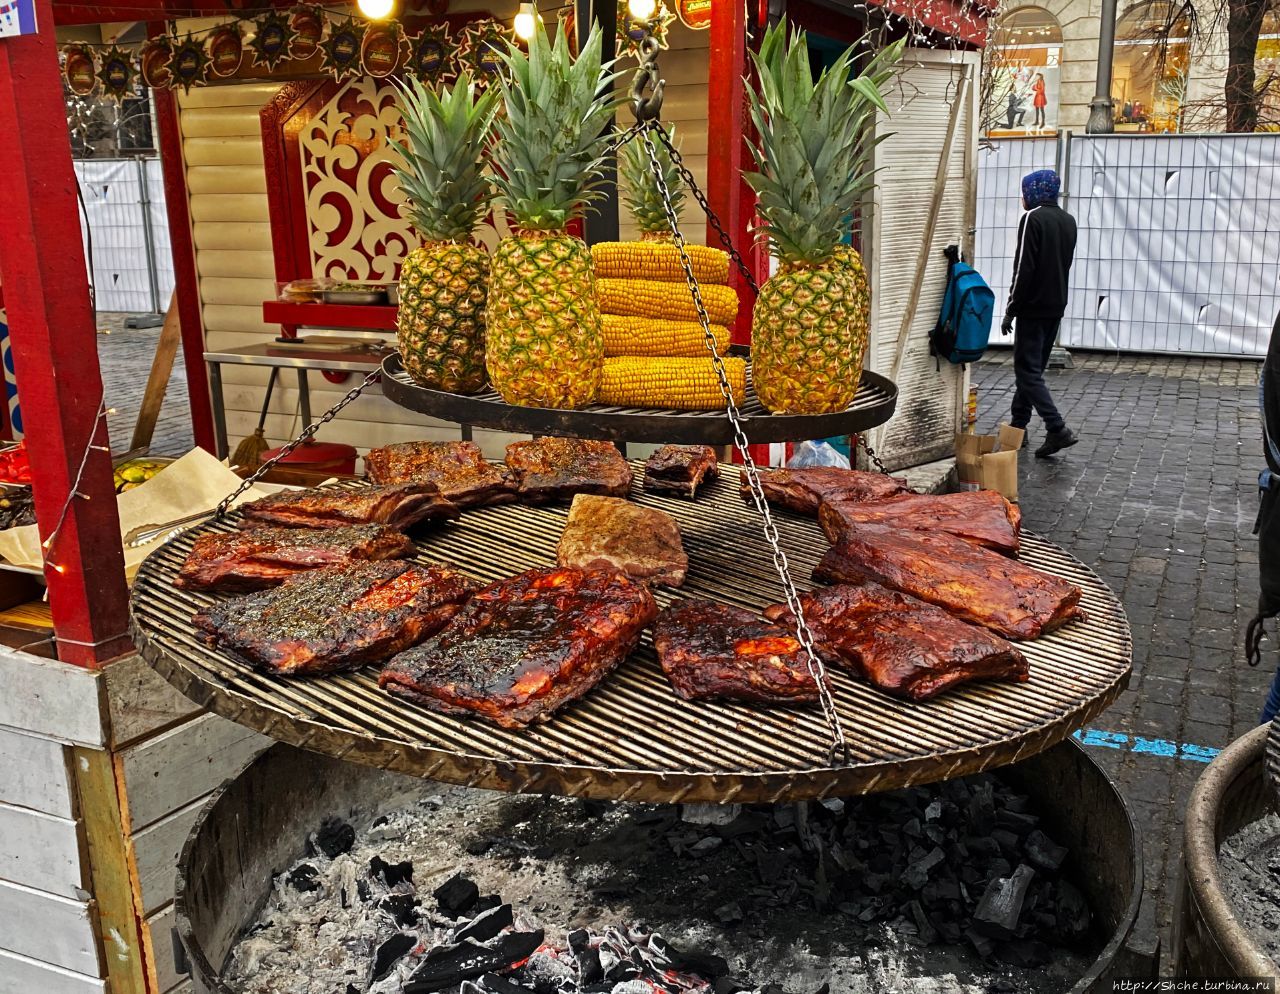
<point x="1178" y="237"/>
<point x="132" y="265"/>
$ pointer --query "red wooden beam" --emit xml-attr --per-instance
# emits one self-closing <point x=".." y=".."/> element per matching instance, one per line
<point x="185" y="277"/>
<point x="55" y="350"/>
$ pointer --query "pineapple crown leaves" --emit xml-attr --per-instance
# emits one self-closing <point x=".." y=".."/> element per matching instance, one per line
<point x="814" y="156"/>
<point x="552" y="138"/>
<point x="444" y="171"/>
<point x="641" y="194"/>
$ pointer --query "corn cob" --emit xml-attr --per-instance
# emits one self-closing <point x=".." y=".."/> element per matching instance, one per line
<point x="653" y="299"/>
<point x="628" y="335"/>
<point x="655" y="259"/>
<point x="680" y="384"/>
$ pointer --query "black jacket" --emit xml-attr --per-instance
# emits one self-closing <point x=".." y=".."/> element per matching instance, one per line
<point x="1046" y="246"/>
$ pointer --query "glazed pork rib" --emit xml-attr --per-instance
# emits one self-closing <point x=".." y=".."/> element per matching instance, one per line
<point x="265" y="557"/>
<point x="399" y="506"/>
<point x="802" y="490"/>
<point x="972" y="583"/>
<point x="548" y="469"/>
<point x="526" y="646"/>
<point x="338" y="618"/>
<point x="712" y="651"/>
<point x="900" y="644"/>
<point x="982" y="517"/>
<point x="612" y="533"/>
<point x="458" y="470"/>
<point x="680" y="469"/>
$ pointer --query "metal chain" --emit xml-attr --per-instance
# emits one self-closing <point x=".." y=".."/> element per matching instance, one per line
<point x="871" y="454"/>
<point x="626" y="136"/>
<point x="307" y="433"/>
<point x="839" y="746"/>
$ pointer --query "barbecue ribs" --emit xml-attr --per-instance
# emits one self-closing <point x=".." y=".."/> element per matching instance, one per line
<point x="612" y="533"/>
<point x="802" y="490"/>
<point x="458" y="470"/>
<point x="399" y="506"/>
<point x="712" y="651"/>
<point x="336" y="618"/>
<point x="526" y="646"/>
<point x="550" y="469"/>
<point x="680" y="469"/>
<point x="973" y="583"/>
<point x="900" y="644"/>
<point x="264" y="557"/>
<point x="982" y="517"/>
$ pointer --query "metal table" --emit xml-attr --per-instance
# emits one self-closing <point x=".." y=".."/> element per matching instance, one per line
<point x="632" y="738"/>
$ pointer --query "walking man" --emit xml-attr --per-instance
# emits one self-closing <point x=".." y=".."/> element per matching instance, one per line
<point x="1037" y="300"/>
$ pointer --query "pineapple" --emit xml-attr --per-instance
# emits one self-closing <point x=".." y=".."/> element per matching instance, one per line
<point x="545" y="342"/>
<point x="642" y="197"/>
<point x="809" y="327"/>
<point x="444" y="282"/>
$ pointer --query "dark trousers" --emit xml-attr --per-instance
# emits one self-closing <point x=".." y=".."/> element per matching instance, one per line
<point x="1032" y="343"/>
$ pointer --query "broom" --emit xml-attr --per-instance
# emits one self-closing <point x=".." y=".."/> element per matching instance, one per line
<point x="248" y="454"/>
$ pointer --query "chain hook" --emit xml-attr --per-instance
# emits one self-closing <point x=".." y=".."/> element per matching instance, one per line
<point x="647" y="108"/>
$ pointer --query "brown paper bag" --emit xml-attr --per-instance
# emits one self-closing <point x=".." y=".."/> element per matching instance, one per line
<point x="989" y="462"/>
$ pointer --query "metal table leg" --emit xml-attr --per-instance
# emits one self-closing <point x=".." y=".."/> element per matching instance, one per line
<point x="304" y="397"/>
<point x="219" y="410"/>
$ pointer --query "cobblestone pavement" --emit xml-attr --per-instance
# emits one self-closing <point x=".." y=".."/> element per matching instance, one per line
<point x="125" y="355"/>
<point x="1159" y="497"/>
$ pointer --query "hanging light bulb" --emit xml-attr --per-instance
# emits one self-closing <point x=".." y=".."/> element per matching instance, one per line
<point x="376" y="10"/>
<point x="642" y="10"/>
<point x="526" y="21"/>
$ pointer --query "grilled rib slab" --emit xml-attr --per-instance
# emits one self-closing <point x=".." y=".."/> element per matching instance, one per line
<point x="264" y="557"/>
<point x="458" y="470"/>
<point x="680" y="469"/>
<point x="973" y="583"/>
<point x="526" y="646"/>
<point x="802" y="490"/>
<point x="612" y="533"/>
<point x="712" y="651"/>
<point x="336" y="618"/>
<point x="901" y="644"/>
<point x="398" y="506"/>
<point x="983" y="517"/>
<point x="550" y="469"/>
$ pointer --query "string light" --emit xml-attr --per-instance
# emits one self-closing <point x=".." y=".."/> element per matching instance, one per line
<point x="642" y="10"/>
<point x="74" y="491"/>
<point x="526" y="21"/>
<point x="376" y="10"/>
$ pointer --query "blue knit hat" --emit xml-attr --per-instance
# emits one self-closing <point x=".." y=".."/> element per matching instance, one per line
<point x="1040" y="187"/>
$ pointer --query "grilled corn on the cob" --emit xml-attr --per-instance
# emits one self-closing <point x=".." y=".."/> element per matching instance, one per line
<point x="681" y="384"/>
<point x="655" y="299"/>
<point x="635" y="336"/>
<point x="654" y="259"/>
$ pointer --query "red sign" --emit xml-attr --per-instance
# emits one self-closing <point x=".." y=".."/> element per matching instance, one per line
<point x="695" y="14"/>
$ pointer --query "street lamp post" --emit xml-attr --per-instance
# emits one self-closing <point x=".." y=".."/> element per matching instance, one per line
<point x="1101" y="108"/>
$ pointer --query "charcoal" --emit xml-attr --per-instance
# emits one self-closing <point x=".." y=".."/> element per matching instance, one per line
<point x="983" y="847"/>
<point x="478" y="846"/>
<point x="1024" y="953"/>
<point x="784" y="817"/>
<point x="771" y="865"/>
<point x="1071" y="911"/>
<point x="730" y="985"/>
<point x="586" y="956"/>
<point x="389" y="952"/>
<point x="1000" y="908"/>
<point x="706" y="965"/>
<point x="304" y="878"/>
<point x="709" y="814"/>
<point x="917" y="874"/>
<point x="835" y="805"/>
<point x="730" y="914"/>
<point x="706" y="846"/>
<point x="403" y="909"/>
<point x="352" y="989"/>
<point x="824" y="989"/>
<point x="391" y="874"/>
<point x="934" y="811"/>
<point x="488" y="902"/>
<point x="747" y="823"/>
<point x="486" y="925"/>
<point x="1007" y="841"/>
<point x="1016" y="822"/>
<point x="925" y="930"/>
<point x="981" y="944"/>
<point x="491" y="983"/>
<point x="1043" y="852"/>
<point x="457" y="895"/>
<point x="982" y="808"/>
<point x="333" y="838"/>
<point x="445" y="966"/>
<point x="364" y="890"/>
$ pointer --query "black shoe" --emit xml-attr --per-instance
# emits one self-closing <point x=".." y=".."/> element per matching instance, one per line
<point x="1055" y="442"/>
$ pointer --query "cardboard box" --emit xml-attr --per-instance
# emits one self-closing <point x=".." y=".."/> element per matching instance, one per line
<point x="989" y="462"/>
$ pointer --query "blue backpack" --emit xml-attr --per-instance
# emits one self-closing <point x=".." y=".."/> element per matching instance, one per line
<point x="964" y="326"/>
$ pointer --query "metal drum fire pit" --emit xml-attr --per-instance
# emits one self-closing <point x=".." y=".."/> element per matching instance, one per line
<point x="255" y="826"/>
<point x="632" y="738"/>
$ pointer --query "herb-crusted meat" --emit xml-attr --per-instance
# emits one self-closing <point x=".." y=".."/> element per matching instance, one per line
<point x="337" y="618"/>
<point x="712" y="651"/>
<point x="458" y="469"/>
<point x="550" y="469"/>
<point x="399" y="506"/>
<point x="264" y="557"/>
<point x="526" y="646"/>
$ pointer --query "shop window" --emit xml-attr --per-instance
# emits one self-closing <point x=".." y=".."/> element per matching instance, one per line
<point x="1150" y="68"/>
<point x="1022" y="74"/>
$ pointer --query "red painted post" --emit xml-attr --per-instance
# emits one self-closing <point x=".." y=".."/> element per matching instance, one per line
<point x="54" y="344"/>
<point x="186" y="279"/>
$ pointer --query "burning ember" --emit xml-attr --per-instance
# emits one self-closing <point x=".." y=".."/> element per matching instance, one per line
<point x="953" y="887"/>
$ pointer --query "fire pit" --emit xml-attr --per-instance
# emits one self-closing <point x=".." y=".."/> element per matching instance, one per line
<point x="569" y="905"/>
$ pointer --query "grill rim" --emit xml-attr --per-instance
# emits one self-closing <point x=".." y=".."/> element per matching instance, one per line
<point x="537" y="770"/>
